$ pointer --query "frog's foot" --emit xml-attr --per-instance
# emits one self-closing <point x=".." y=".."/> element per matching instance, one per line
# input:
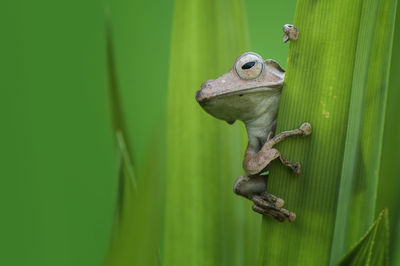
<point x="264" y="207"/>
<point x="250" y="187"/>
<point x="254" y="188"/>
<point x="278" y="202"/>
<point x="295" y="166"/>
<point x="276" y="215"/>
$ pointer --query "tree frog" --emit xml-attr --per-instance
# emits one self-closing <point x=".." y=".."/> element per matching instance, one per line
<point x="250" y="92"/>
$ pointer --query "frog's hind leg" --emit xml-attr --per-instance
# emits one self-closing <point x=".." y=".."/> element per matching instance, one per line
<point x="250" y="187"/>
<point x="265" y="207"/>
<point x="254" y="188"/>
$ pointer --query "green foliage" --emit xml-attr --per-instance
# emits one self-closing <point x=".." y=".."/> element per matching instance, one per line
<point x="138" y="218"/>
<point x="372" y="248"/>
<point x="204" y="223"/>
<point x="337" y="79"/>
<point x="389" y="174"/>
<point x="59" y="167"/>
<point x="141" y="37"/>
<point x="363" y="148"/>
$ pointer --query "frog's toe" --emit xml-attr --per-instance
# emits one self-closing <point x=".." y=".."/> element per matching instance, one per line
<point x="306" y="128"/>
<point x="278" y="202"/>
<point x="292" y="217"/>
<point x="296" y="167"/>
<point x="264" y="207"/>
<point x="276" y="215"/>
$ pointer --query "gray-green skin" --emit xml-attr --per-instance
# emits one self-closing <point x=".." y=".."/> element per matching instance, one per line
<point x="250" y="92"/>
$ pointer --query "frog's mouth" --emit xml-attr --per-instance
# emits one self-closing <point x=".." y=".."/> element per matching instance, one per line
<point x="240" y="105"/>
<point x="203" y="96"/>
<point x="247" y="91"/>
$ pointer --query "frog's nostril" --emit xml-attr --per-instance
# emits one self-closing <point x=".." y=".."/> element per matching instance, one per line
<point x="206" y="84"/>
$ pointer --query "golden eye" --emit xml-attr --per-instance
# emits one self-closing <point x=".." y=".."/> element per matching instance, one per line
<point x="249" y="66"/>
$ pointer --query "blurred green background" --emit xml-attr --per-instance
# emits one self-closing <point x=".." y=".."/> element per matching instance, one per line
<point x="58" y="158"/>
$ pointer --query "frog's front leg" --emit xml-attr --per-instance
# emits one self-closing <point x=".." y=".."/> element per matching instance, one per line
<point x="255" y="162"/>
<point x="304" y="130"/>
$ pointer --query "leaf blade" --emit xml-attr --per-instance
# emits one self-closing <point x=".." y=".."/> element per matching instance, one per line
<point x="204" y="154"/>
<point x="372" y="248"/>
<point x="323" y="65"/>
<point x="358" y="197"/>
<point x="316" y="91"/>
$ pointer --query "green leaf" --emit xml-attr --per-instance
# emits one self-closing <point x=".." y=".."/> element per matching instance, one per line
<point x="141" y="58"/>
<point x="336" y="79"/>
<point x="137" y="225"/>
<point x="137" y="231"/>
<point x="205" y="223"/>
<point x="389" y="181"/>
<point x="125" y="162"/>
<point x="372" y="248"/>
<point x="363" y="149"/>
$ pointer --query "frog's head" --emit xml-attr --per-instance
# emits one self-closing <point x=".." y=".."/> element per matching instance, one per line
<point x="243" y="91"/>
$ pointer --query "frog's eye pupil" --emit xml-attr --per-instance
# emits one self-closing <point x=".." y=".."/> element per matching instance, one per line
<point x="248" y="65"/>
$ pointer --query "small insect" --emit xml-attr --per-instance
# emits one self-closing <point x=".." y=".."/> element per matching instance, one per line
<point x="291" y="33"/>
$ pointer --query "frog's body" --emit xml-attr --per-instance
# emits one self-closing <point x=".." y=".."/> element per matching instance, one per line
<point x="250" y="92"/>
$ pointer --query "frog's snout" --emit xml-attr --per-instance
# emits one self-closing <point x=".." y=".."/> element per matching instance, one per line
<point x="199" y="96"/>
<point x="205" y="92"/>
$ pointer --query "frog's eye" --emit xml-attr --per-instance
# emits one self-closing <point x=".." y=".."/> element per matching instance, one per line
<point x="249" y="66"/>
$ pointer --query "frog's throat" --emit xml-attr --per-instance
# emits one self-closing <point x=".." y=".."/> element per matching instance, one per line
<point x="258" y="128"/>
